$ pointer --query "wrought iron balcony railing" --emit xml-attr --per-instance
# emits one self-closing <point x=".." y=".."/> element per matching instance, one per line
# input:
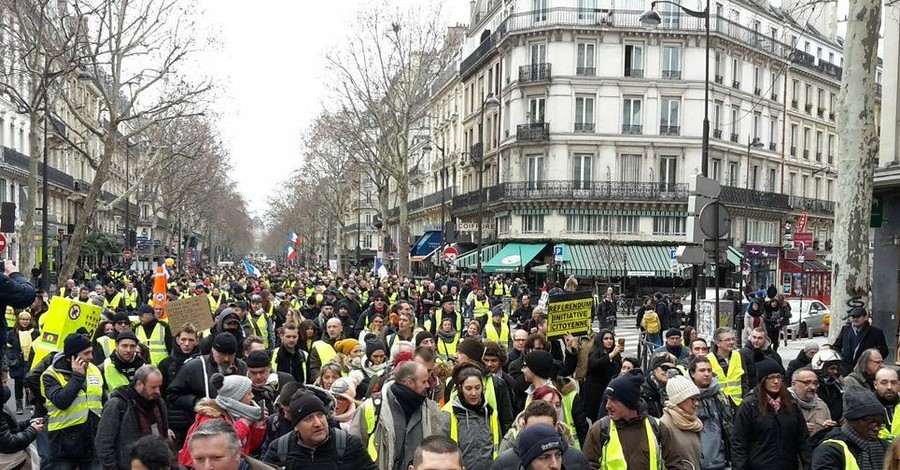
<point x="632" y="129"/>
<point x="534" y="73"/>
<point x="534" y="132"/>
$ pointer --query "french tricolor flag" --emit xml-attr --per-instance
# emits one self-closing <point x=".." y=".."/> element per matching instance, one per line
<point x="293" y="238"/>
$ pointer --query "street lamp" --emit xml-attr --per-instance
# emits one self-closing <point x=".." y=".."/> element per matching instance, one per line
<point x="493" y="102"/>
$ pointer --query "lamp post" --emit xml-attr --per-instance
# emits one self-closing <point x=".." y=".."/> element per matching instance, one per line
<point x="493" y="102"/>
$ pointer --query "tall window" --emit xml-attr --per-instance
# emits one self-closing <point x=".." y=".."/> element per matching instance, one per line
<point x="795" y="93"/>
<point x="830" y="149"/>
<point x="587" y="223"/>
<point x="539" y="10"/>
<point x="757" y="80"/>
<point x="671" y="62"/>
<point x="735" y="122"/>
<point x="770" y="180"/>
<point x="732" y="177"/>
<point x="582" y="166"/>
<point x="819" y="147"/>
<point x="631" y="116"/>
<point x="584" y="114"/>
<point x="668" y="116"/>
<point x="667" y="171"/>
<point x="805" y="142"/>
<point x="793" y="139"/>
<point x="532" y="223"/>
<point x="717" y="115"/>
<point x="586" y="9"/>
<point x="718" y="65"/>
<point x="585" y="59"/>
<point x="630" y="168"/>
<point x="757" y="117"/>
<point x="773" y="130"/>
<point x="634" y="60"/>
<point x="754" y="176"/>
<point x="716" y="170"/>
<point x="536" y="109"/>
<point x="792" y="184"/>
<point x="538" y="52"/>
<point x="804" y="185"/>
<point x="736" y="72"/>
<point x="535" y="171"/>
<point x="629" y="224"/>
<point x="669" y="225"/>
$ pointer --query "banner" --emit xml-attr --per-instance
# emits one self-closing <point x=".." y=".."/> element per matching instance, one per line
<point x="569" y="313"/>
<point x="64" y="317"/>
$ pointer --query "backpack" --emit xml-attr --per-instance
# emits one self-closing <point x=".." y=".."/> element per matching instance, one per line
<point x="604" y="430"/>
<point x="340" y="442"/>
<point x="651" y="323"/>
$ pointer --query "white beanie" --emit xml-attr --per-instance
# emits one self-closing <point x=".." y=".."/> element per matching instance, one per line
<point x="680" y="388"/>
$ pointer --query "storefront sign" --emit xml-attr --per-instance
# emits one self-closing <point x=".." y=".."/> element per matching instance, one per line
<point x="758" y="252"/>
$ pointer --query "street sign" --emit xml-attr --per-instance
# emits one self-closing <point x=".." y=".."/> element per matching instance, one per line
<point x="157" y="242"/>
<point x="708" y="220"/>
<point x="641" y="274"/>
<point x="558" y="251"/>
<point x="450" y="254"/>
<point x="391" y="256"/>
<point x="673" y="254"/>
<point x="2" y="243"/>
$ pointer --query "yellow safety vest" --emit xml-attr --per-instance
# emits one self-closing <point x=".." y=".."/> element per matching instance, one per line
<point x="86" y="402"/>
<point x="439" y="318"/>
<point x="156" y="342"/>
<point x="112" y="378"/>
<point x="500" y="290"/>
<point x="369" y="414"/>
<point x="568" y="401"/>
<point x="895" y="422"/>
<point x="501" y="337"/>
<point x="107" y="344"/>
<point x="849" y="459"/>
<point x="326" y="351"/>
<point x="449" y="349"/>
<point x="11" y="317"/>
<point x="730" y="382"/>
<point x="131" y="299"/>
<point x="114" y="303"/>
<point x="302" y="365"/>
<point x="262" y="328"/>
<point x="490" y="394"/>
<point x="481" y="309"/>
<point x="613" y="458"/>
<point x="213" y="304"/>
<point x="454" y="427"/>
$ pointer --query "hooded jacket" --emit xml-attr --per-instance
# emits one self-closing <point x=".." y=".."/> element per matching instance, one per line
<point x="799" y="362"/>
<point x="207" y="342"/>
<point x="119" y="428"/>
<point x="192" y="383"/>
<point x="323" y="457"/>
<point x="74" y="442"/>
<point x="474" y="435"/>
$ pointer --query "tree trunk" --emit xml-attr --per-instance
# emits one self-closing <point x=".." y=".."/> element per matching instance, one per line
<point x="403" y="242"/>
<point x="26" y="239"/>
<point x="856" y="161"/>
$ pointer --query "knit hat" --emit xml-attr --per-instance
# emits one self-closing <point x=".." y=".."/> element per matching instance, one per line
<point x="258" y="359"/>
<point x="145" y="309"/>
<point x="232" y="386"/>
<point x="472" y="348"/>
<point x="74" y="344"/>
<point x="680" y="388"/>
<point x="374" y="345"/>
<point x="626" y="388"/>
<point x="121" y="316"/>
<point x="537" y="439"/>
<point x="540" y="363"/>
<point x="126" y="335"/>
<point x="673" y="332"/>
<point x="465" y="370"/>
<point x="287" y="393"/>
<point x="810" y="346"/>
<point x="497" y="311"/>
<point x="305" y="405"/>
<point x="345" y="388"/>
<point x="492" y="348"/>
<point x="422" y="336"/>
<point x="345" y="346"/>
<point x="861" y="402"/>
<point x="447" y="298"/>
<point x="225" y="343"/>
<point x="767" y="367"/>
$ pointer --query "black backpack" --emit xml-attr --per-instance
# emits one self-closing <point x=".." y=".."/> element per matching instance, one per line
<point x="340" y="442"/>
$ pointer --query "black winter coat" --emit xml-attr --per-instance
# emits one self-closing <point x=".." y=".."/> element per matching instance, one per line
<point x="323" y="457"/>
<point x="776" y="441"/>
<point x="799" y="362"/>
<point x="872" y="337"/>
<point x="14" y="436"/>
<point x="119" y="429"/>
<point x="74" y="442"/>
<point x="509" y="459"/>
<point x="189" y="387"/>
<point x="16" y="356"/>
<point x="16" y="292"/>
<point x="828" y="456"/>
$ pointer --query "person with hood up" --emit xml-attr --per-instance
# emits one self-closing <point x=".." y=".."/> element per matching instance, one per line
<point x="827" y="365"/>
<point x="228" y="321"/>
<point x="344" y="391"/>
<point x="680" y="416"/>
<point x="118" y="369"/>
<point x="234" y="404"/>
<point x="469" y="419"/>
<point x="715" y="412"/>
<point x="604" y="362"/>
<point x="753" y="318"/>
<point x="803" y="359"/>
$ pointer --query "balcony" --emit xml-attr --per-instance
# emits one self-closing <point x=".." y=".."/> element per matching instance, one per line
<point x="573" y="189"/>
<point x="586" y="71"/>
<point x="816" y="206"/>
<point x="632" y="129"/>
<point x="669" y="130"/>
<point x="586" y="127"/>
<point x="719" y="79"/>
<point x="534" y="132"/>
<point x="773" y="146"/>
<point x="634" y="73"/>
<point x="757" y="91"/>
<point x="84" y="187"/>
<point x="671" y="74"/>
<point x="735" y="84"/>
<point x="808" y="61"/>
<point x="480" y="55"/>
<point x="808" y="108"/>
<point x="18" y="161"/>
<point x="734" y="137"/>
<point x="755" y="198"/>
<point x="534" y="73"/>
<point x="774" y="96"/>
<point x="717" y="133"/>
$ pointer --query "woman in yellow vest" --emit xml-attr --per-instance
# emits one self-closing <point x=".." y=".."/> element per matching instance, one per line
<point x="18" y="356"/>
<point x="446" y="340"/>
<point x="470" y="420"/>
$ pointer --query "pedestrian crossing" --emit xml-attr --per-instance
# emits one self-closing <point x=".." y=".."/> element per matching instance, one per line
<point x="627" y="329"/>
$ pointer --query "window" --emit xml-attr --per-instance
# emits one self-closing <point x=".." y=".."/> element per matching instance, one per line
<point x="817" y="187"/>
<point x="759" y="231"/>
<point x="793" y="140"/>
<point x="538" y="53"/>
<point x="668" y="116"/>
<point x="669" y="225"/>
<point x="829" y="188"/>
<point x="716" y="169"/>
<point x="536" y="110"/>
<point x="586" y="9"/>
<point x="539" y="10"/>
<point x="808" y="97"/>
<point x="770" y="180"/>
<point x="820" y="95"/>
<point x="631" y="116"/>
<point x="717" y="115"/>
<point x="628" y="224"/>
<point x="670" y="14"/>
<point x="532" y="223"/>
<point x="732" y="176"/>
<point x="773" y="132"/>
<point x="535" y="171"/>
<point x="634" y="60"/>
<point x="830" y="149"/>
<point x="587" y="223"/>
<point x="819" y="147"/>
<point x="795" y="93"/>
<point x="831" y="57"/>
<point x="757" y="80"/>
<point x="736" y="72"/>
<point x="630" y="168"/>
<point x="667" y="171"/>
<point x="754" y="176"/>
<point x="735" y="123"/>
<point x="773" y="83"/>
<point x="584" y="114"/>
<point x="757" y="117"/>
<point x="718" y="67"/>
<point x="585" y="59"/>
<point x="671" y="62"/>
<point x="367" y="241"/>
<point x="504" y="223"/>
<point x="792" y="184"/>
<point x="805" y="142"/>
<point x="582" y="166"/>
<point x="804" y="185"/>
<point x="145" y="211"/>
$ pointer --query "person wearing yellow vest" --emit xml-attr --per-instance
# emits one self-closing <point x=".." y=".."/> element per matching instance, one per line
<point x="113" y="299"/>
<point x="857" y="439"/>
<point x="323" y="349"/>
<point x="19" y="354"/>
<point x="11" y="318"/>
<point x="446" y="340"/>
<point x="118" y="369"/>
<point x="728" y="365"/>
<point x="446" y="311"/>
<point x="498" y="328"/>
<point x="155" y="334"/>
<point x="73" y="387"/>
<point x="69" y="291"/>
<point x="381" y="419"/>
<point x="470" y="420"/>
<point x="261" y="322"/>
<point x="539" y="370"/>
<point x="496" y="393"/>
<point x="405" y="332"/>
<point x="627" y="438"/>
<point x="130" y="297"/>
<point x="481" y="307"/>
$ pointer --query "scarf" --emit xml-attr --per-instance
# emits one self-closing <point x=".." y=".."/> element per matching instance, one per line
<point x="149" y="416"/>
<point x="346" y="416"/>
<point x="372" y="370"/>
<point x="806" y="405"/>
<point x="872" y="454"/>
<point x="775" y="403"/>
<point x="409" y="400"/>
<point x="674" y="350"/>
<point x="237" y="410"/>
<point x="127" y="368"/>
<point x="683" y="420"/>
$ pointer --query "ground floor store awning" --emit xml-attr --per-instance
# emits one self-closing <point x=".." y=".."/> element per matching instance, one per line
<point x="616" y="261"/>
<point x="513" y="258"/>
<point x="809" y="266"/>
<point x="734" y="255"/>
<point x="469" y="260"/>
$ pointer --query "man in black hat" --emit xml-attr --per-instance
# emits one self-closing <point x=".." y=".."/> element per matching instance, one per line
<point x="856" y="443"/>
<point x="673" y="345"/>
<point x="119" y="368"/>
<point x="266" y="383"/>
<point x="498" y="328"/>
<point x="153" y="333"/>
<point x="856" y="337"/>
<point x="447" y="310"/>
<point x="653" y="390"/>
<point x="377" y="306"/>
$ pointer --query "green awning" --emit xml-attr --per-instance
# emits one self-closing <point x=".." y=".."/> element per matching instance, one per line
<point x="513" y="258"/>
<point x="650" y="261"/>
<point x="615" y="261"/>
<point x="469" y="260"/>
<point x="734" y="256"/>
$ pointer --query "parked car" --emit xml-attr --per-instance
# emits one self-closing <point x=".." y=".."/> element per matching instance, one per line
<point x="807" y="315"/>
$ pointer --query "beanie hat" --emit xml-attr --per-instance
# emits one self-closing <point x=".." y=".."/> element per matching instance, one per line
<point x="232" y="386"/>
<point x="287" y="392"/>
<point x="121" y="316"/>
<point x="540" y="363"/>
<point x="305" y="405"/>
<point x="627" y="388"/>
<point x="810" y="346"/>
<point x="258" y="359"/>
<point x="673" y="332"/>
<point x="225" y="343"/>
<point x="537" y="439"/>
<point x="463" y="371"/>
<point x="861" y="402"/>
<point x="74" y="344"/>
<point x="345" y="346"/>
<point x="126" y="335"/>
<point x="345" y="388"/>
<point x="767" y="367"/>
<point x="492" y="348"/>
<point x="145" y="309"/>
<point x="447" y="298"/>
<point x="680" y="388"/>
<point x="422" y="336"/>
<point x="497" y="311"/>
<point x="372" y="346"/>
<point x="472" y="348"/>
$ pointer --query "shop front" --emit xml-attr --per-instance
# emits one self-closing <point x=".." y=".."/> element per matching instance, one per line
<point x="809" y="278"/>
<point x="763" y="263"/>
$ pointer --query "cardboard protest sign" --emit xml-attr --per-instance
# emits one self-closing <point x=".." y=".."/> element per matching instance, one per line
<point x="192" y="309"/>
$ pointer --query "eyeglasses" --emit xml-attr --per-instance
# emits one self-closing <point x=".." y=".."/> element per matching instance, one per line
<point x="775" y="378"/>
<point x="813" y="382"/>
<point x="876" y="362"/>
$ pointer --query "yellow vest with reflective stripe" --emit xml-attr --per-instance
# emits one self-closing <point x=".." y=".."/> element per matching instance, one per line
<point x="613" y="458"/>
<point x="849" y="459"/>
<point x="86" y="402"/>
<point x="895" y="422"/>
<point x="454" y="427"/>
<point x="107" y="344"/>
<point x="11" y="317"/>
<point x="445" y="350"/>
<point x="131" y="299"/>
<point x="262" y="327"/>
<point x="369" y="413"/>
<point x="439" y="318"/>
<point x="213" y="303"/>
<point x="114" y="303"/>
<point x="501" y="336"/>
<point x="500" y="290"/>
<point x="112" y="378"/>
<point x="490" y="394"/>
<point x="156" y="342"/>
<point x="481" y="309"/>
<point x="325" y="350"/>
<point x="568" y="401"/>
<point x="730" y="382"/>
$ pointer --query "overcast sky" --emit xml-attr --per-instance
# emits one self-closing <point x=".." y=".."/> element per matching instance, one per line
<point x="268" y="65"/>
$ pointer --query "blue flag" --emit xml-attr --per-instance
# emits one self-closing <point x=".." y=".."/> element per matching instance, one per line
<point x="251" y="270"/>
